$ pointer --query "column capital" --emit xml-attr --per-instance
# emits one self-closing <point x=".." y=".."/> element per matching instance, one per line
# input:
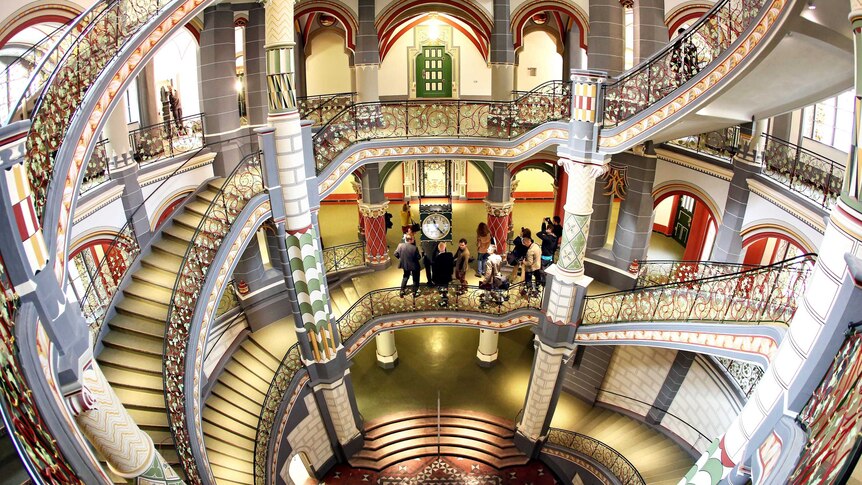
<point x="592" y="169"/>
<point x="373" y="210"/>
<point x="499" y="209"/>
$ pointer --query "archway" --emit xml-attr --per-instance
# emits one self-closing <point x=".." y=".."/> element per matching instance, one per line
<point x="683" y="220"/>
<point x="327" y="62"/>
<point x="767" y="247"/>
<point x="539" y="60"/>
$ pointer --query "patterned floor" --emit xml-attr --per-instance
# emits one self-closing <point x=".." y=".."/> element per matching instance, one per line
<point x="444" y="471"/>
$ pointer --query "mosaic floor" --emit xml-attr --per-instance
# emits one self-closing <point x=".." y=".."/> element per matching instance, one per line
<point x="444" y="471"/>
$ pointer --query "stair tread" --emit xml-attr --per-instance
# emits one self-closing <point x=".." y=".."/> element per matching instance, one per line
<point x="146" y="290"/>
<point x="152" y="310"/>
<point x="143" y="326"/>
<point x="128" y="378"/>
<point x="134" y="343"/>
<point x="232" y="412"/>
<point x="380" y="432"/>
<point x="141" y="397"/>
<point x="129" y="361"/>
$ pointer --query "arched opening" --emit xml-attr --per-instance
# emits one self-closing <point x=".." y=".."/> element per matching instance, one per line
<point x="167" y="209"/>
<point x="300" y="471"/>
<point x="533" y="182"/>
<point x="539" y="60"/>
<point x="175" y="65"/>
<point x="98" y="262"/>
<point x="770" y="247"/>
<point x="684" y="227"/>
<point x="328" y="62"/>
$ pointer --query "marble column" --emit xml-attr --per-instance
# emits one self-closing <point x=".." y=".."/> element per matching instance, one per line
<point x="255" y="65"/>
<point x="486" y="355"/>
<point x="217" y="87"/>
<point x="499" y="205"/>
<point x="650" y="29"/>
<point x="502" y="53"/>
<point x="117" y="131"/>
<point x="367" y="57"/>
<point x="634" y="225"/>
<point x="387" y="353"/>
<point x="606" y="37"/>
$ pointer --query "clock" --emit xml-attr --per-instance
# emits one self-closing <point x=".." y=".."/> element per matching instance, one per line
<point x="436" y="226"/>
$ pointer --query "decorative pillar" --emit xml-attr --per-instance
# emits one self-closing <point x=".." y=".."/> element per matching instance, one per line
<point x="128" y="450"/>
<point x="366" y="60"/>
<point x="255" y="65"/>
<point x="147" y="95"/>
<point x="502" y="53"/>
<point x="566" y="284"/>
<point x="217" y="76"/>
<point x="488" y="351"/>
<point x="291" y="180"/>
<point x="606" y="37"/>
<point x="832" y="300"/>
<point x="600" y="219"/>
<point x="374" y="225"/>
<point x="499" y="205"/>
<point x="117" y="130"/>
<point x="650" y="28"/>
<point x="387" y="354"/>
<point x="634" y="225"/>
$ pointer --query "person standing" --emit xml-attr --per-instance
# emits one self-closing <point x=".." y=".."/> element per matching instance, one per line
<point x="388" y="218"/>
<point x="532" y="263"/>
<point x="549" y="247"/>
<point x="492" y="278"/>
<point x="406" y="218"/>
<point x="462" y="264"/>
<point x="483" y="240"/>
<point x="444" y="265"/>
<point x="408" y="260"/>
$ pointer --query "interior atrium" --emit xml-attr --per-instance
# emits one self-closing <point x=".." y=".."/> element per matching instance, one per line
<point x="414" y="242"/>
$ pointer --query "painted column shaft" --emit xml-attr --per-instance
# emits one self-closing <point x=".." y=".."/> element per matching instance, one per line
<point x="634" y="224"/>
<point x="387" y="353"/>
<point x="367" y="57"/>
<point x="374" y="224"/>
<point x="255" y="65"/>
<point x="117" y="129"/>
<point x="728" y="240"/>
<point x="488" y="348"/>
<point x="502" y="53"/>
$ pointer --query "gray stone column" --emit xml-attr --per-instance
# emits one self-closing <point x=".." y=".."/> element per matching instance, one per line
<point x="367" y="56"/>
<point x="601" y="218"/>
<point x="728" y="240"/>
<point x="126" y="173"/>
<point x="148" y="98"/>
<point x="217" y="81"/>
<point x="372" y="191"/>
<point x="672" y="383"/>
<point x="502" y="53"/>
<point x="255" y="64"/>
<point x="606" y="36"/>
<point x="634" y="225"/>
<point x="249" y="268"/>
<point x="272" y="245"/>
<point x="299" y="59"/>
<point x="650" y="29"/>
<point x="499" y="205"/>
<point x="574" y="55"/>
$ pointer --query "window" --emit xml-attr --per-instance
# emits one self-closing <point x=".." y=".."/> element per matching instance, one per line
<point x="629" y="34"/>
<point x="133" y="111"/>
<point x="830" y="121"/>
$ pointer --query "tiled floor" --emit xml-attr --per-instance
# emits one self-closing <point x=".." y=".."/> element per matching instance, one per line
<point x="444" y="471"/>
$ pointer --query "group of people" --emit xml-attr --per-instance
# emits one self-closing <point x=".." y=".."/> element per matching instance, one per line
<point x="442" y="266"/>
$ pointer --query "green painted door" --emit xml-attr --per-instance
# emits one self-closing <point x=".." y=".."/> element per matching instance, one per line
<point x="684" y="213"/>
<point x="433" y="73"/>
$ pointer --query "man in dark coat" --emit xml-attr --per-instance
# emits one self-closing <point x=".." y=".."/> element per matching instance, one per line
<point x="444" y="266"/>
<point x="408" y="261"/>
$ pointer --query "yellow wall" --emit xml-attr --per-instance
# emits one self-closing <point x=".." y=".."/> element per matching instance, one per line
<point x="328" y="64"/>
<point x="534" y="180"/>
<point x="475" y="180"/>
<point x="395" y="182"/>
<point x="540" y="52"/>
<point x="663" y="212"/>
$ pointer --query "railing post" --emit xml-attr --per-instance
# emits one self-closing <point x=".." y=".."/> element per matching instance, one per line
<point x="406" y="119"/>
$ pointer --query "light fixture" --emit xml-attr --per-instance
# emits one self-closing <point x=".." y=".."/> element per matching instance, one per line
<point x="811" y="5"/>
<point x="238" y="86"/>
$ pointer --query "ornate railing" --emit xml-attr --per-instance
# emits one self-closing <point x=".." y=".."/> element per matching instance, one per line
<point x="670" y="68"/>
<point x="243" y="183"/>
<point x="167" y="139"/>
<point x="229" y="299"/>
<point x="98" y="170"/>
<point x="291" y="363"/>
<point x="612" y="460"/>
<point x="14" y="79"/>
<point x="767" y="294"/>
<point x="91" y="50"/>
<point x="345" y="256"/>
<point x="746" y="374"/>
<point x="321" y="108"/>
<point x="388" y="301"/>
<point x="662" y="272"/>
<point x="720" y="143"/>
<point x="454" y="118"/>
<point x="28" y="432"/>
<point x="803" y="171"/>
<point x="832" y="419"/>
<point x="118" y="258"/>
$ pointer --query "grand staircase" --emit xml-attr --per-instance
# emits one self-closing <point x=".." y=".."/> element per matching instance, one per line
<point x="133" y="347"/>
<point x="232" y="410"/>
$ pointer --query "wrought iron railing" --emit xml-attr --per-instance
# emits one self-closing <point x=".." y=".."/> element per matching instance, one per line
<point x="455" y="118"/>
<point x="91" y="51"/>
<point x="29" y="434"/>
<point x="670" y="68"/>
<point x="662" y="272"/>
<point x="745" y="374"/>
<point x="321" y="108"/>
<point x="720" y="143"/>
<point x="229" y="299"/>
<point x="767" y="294"/>
<point x="167" y="139"/>
<point x="14" y="78"/>
<point x="244" y="182"/>
<point x="345" y="256"/>
<point x="291" y="363"/>
<point x="803" y="171"/>
<point x="98" y="170"/>
<point x="832" y="420"/>
<point x="612" y="460"/>
<point x="388" y="301"/>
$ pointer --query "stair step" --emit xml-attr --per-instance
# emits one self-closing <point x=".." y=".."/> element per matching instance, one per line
<point x="142" y="398"/>
<point x="131" y="305"/>
<point x="425" y="451"/>
<point x="139" y="326"/>
<point x="188" y="219"/>
<point x="218" y="421"/>
<point x="381" y="432"/>
<point x="147" y="418"/>
<point x="240" y="400"/>
<point x="242" y="448"/>
<point x="134" y="344"/>
<point x="179" y="233"/>
<point x="230" y="379"/>
<point x="232" y="413"/>
<point x="155" y="276"/>
<point x="228" y="476"/>
<point x="127" y="378"/>
<point x="170" y="246"/>
<point x="122" y="359"/>
<point x="350" y="292"/>
<point x="145" y="290"/>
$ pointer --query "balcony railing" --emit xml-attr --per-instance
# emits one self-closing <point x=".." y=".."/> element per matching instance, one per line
<point x="768" y="294"/>
<point x="803" y="171"/>
<point x="167" y="139"/>
<point x="452" y="118"/>
<point x="745" y="374"/>
<point x="720" y="143"/>
<point x="662" y="272"/>
<point x="321" y="108"/>
<point x="345" y="256"/>
<point x="612" y="460"/>
<point x="680" y="61"/>
<point x="291" y="363"/>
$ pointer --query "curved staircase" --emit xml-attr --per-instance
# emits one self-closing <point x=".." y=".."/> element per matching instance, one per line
<point x="464" y="434"/>
<point x="133" y="346"/>
<point x="232" y="410"/>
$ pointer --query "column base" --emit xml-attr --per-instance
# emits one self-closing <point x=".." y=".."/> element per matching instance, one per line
<point x="353" y="446"/>
<point x="387" y="361"/>
<point x="528" y="446"/>
<point x="381" y="265"/>
<point x="485" y="360"/>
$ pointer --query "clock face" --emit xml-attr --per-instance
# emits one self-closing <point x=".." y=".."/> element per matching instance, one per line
<point x="436" y="226"/>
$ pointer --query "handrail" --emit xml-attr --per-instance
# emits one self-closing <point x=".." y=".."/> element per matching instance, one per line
<point x="801" y="170"/>
<point x="148" y="142"/>
<point x="244" y="183"/>
<point x="322" y="107"/>
<point x="767" y="294"/>
<point x="342" y="257"/>
<point x="618" y="465"/>
<point x="659" y="272"/>
<point x="671" y="67"/>
<point x="456" y="118"/>
<point x="652" y="406"/>
<point x="719" y="143"/>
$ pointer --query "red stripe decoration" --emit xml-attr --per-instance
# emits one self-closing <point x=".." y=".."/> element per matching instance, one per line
<point x="25" y="218"/>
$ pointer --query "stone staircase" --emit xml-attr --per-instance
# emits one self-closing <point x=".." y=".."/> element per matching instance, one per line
<point x="464" y="434"/>
<point x="232" y="410"/>
<point x="343" y="296"/>
<point x="133" y="346"/>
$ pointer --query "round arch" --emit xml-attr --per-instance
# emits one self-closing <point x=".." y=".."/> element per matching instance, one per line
<point x="698" y="234"/>
<point x="475" y="35"/>
<point x="546" y="165"/>
<point x="168" y="206"/>
<point x="305" y="13"/>
<point x="526" y="11"/>
<point x="764" y="229"/>
<point x="35" y="13"/>
<point x="676" y="187"/>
